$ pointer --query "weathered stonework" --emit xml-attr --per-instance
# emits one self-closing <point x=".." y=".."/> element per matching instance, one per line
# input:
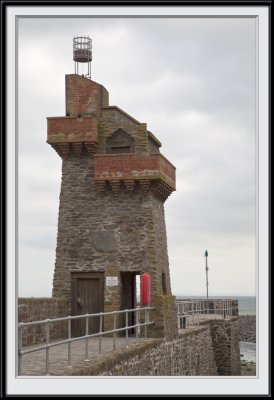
<point x="135" y="222"/>
<point x="111" y="215"/>
<point x="226" y="343"/>
<point x="210" y="349"/>
<point x="190" y="354"/>
<point x="39" y="309"/>
<point x="164" y="317"/>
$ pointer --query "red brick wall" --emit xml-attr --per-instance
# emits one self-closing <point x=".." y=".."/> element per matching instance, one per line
<point x="72" y="129"/>
<point x="130" y="166"/>
<point x="168" y="170"/>
<point x="84" y="96"/>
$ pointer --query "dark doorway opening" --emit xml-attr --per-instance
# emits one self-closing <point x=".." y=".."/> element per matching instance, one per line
<point x="129" y="297"/>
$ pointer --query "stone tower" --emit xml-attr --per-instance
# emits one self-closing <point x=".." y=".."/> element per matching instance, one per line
<point x="111" y="224"/>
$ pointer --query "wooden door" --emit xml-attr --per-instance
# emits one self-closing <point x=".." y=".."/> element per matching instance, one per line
<point x="87" y="298"/>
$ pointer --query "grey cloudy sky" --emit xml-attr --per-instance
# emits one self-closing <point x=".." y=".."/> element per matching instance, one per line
<point x="192" y="80"/>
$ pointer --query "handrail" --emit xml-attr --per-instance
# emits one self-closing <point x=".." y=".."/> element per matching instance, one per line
<point x="47" y="346"/>
<point x="192" y="312"/>
<point x="71" y="317"/>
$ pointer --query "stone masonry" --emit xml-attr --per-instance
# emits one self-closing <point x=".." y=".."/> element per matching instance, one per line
<point x="199" y="351"/>
<point x="226" y="342"/>
<point x="39" y="309"/>
<point x="114" y="185"/>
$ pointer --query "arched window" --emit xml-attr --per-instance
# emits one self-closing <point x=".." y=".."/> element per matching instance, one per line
<point x="120" y="142"/>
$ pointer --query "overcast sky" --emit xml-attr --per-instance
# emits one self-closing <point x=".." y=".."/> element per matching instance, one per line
<point x="192" y="80"/>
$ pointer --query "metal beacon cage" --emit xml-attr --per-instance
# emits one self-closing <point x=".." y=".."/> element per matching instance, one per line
<point x="82" y="53"/>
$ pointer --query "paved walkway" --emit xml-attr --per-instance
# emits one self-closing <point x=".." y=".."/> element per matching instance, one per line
<point x="33" y="364"/>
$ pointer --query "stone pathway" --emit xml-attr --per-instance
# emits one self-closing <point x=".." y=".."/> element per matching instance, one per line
<point x="34" y="364"/>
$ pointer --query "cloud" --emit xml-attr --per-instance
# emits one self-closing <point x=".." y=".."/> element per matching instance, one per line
<point x="192" y="81"/>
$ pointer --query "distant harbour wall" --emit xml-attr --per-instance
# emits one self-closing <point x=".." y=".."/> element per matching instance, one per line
<point x="247" y="328"/>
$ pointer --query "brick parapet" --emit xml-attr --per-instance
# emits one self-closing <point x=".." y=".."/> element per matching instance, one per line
<point x="132" y="166"/>
<point x="72" y="129"/>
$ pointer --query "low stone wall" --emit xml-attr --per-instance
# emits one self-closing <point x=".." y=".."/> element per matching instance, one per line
<point x="190" y="354"/>
<point x="207" y="350"/>
<point x="39" y="309"/>
<point x="226" y="344"/>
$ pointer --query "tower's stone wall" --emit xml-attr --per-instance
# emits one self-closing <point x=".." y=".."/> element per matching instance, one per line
<point x="111" y="213"/>
<point x="103" y="232"/>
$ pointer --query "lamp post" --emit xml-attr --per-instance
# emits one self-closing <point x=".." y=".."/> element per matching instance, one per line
<point x="206" y="255"/>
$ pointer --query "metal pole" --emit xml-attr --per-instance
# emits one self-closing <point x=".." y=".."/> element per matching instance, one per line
<point x="69" y="344"/>
<point x="100" y="337"/>
<point x="47" y="348"/>
<point x="86" y="352"/>
<point x="19" y="349"/>
<point x="114" y="334"/>
<point x="126" y="329"/>
<point x="137" y="323"/>
<point x="146" y="321"/>
<point x="206" y="255"/>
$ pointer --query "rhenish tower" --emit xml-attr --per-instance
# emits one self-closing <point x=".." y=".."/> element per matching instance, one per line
<point x="115" y="181"/>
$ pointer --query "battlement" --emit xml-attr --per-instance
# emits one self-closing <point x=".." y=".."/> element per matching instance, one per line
<point x="72" y="135"/>
<point x="149" y="171"/>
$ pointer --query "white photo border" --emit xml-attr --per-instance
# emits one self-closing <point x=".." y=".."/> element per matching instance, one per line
<point x="144" y="385"/>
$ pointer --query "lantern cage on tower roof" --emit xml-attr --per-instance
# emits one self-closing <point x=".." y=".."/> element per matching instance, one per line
<point x="82" y="53"/>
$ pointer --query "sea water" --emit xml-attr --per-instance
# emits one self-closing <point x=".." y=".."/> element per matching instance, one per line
<point x="247" y="304"/>
<point x="248" y="351"/>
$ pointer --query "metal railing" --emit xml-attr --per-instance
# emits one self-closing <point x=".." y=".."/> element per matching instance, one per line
<point x="47" y="346"/>
<point x="192" y="312"/>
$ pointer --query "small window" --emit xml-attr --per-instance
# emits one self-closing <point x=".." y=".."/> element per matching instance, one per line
<point x="120" y="142"/>
<point x="120" y="149"/>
